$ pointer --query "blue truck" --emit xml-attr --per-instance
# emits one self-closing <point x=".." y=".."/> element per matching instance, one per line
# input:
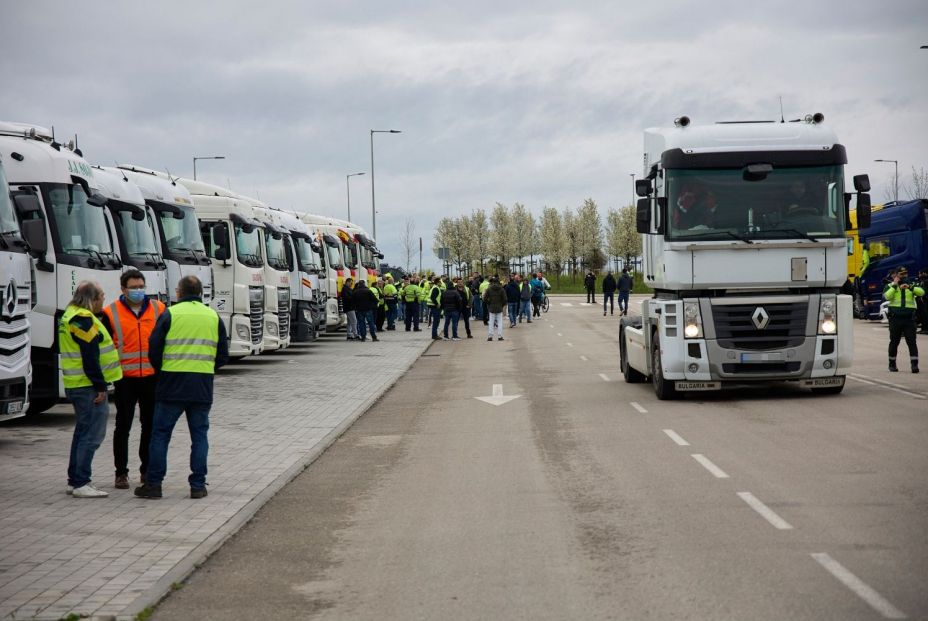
<point x="897" y="237"/>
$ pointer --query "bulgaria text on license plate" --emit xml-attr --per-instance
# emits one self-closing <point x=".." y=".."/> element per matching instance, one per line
<point x="698" y="385"/>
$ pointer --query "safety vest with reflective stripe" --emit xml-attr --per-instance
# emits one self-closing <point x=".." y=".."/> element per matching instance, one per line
<point x="192" y="340"/>
<point x="411" y="292"/>
<point x="131" y="334"/>
<point x="72" y="365"/>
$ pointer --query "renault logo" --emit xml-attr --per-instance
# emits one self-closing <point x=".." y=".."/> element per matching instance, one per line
<point x="760" y="318"/>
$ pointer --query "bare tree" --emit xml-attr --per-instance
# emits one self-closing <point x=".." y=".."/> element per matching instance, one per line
<point x="918" y="186"/>
<point x="409" y="242"/>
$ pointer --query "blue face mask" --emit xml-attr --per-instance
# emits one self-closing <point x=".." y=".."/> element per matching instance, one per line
<point x="136" y="296"/>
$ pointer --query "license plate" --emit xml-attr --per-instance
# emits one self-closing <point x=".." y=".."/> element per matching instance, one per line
<point x="819" y="382"/>
<point x="14" y="407"/>
<point x="698" y="385"/>
<point x="775" y="356"/>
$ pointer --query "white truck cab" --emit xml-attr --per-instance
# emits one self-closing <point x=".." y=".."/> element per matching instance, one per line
<point x="52" y="184"/>
<point x="307" y="299"/>
<point x="136" y="231"/>
<point x="276" y="278"/>
<point x="178" y="230"/>
<point x="335" y="270"/>
<point x="744" y="245"/>
<point x="16" y="300"/>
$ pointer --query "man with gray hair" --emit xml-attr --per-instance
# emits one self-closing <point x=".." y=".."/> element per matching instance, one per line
<point x="89" y="361"/>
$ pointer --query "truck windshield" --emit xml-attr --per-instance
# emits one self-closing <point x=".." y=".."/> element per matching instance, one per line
<point x="789" y="203"/>
<point x="276" y="252"/>
<point x="367" y="258"/>
<point x="309" y="260"/>
<point x="8" y="222"/>
<point x="334" y="257"/>
<point x="81" y="228"/>
<point x="181" y="235"/>
<point x="139" y="235"/>
<point x="248" y="246"/>
<point x="351" y="255"/>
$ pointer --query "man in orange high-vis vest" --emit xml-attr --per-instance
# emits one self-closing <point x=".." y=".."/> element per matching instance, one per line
<point x="130" y="320"/>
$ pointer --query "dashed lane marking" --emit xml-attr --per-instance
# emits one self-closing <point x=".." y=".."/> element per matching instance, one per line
<point x="676" y="437"/>
<point x="584" y="358"/>
<point x="566" y="303"/>
<point x="638" y="407"/>
<point x="570" y="344"/>
<point x="559" y="334"/>
<point x="605" y="377"/>
<point x="888" y="386"/>
<point x="717" y="472"/>
<point x="765" y="512"/>
<point x="860" y="588"/>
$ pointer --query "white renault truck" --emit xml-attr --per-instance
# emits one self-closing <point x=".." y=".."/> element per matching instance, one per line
<point x="307" y="300"/>
<point x="743" y="229"/>
<point x="178" y="231"/>
<point x="135" y="229"/>
<point x="52" y="184"/>
<point x="16" y="300"/>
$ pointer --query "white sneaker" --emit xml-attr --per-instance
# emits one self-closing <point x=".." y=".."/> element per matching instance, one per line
<point x="89" y="491"/>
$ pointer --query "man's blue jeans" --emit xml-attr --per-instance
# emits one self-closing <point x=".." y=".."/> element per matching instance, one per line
<point x="89" y="431"/>
<point x="391" y="314"/>
<point x="435" y="314"/>
<point x="623" y="301"/>
<point x="166" y="415"/>
<point x="365" y="321"/>
<point x="412" y="315"/>
<point x="453" y="317"/>
<point x="513" y="312"/>
<point x="525" y="308"/>
<point x="478" y="307"/>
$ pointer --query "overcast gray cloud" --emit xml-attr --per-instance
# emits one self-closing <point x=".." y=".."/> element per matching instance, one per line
<point x="538" y="102"/>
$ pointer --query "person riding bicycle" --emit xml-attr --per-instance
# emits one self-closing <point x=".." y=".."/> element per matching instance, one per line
<point x="539" y="285"/>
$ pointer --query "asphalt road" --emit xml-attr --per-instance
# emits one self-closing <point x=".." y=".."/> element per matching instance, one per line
<point x="586" y="498"/>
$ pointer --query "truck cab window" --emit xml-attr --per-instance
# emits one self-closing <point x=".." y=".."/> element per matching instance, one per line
<point x="81" y="228"/>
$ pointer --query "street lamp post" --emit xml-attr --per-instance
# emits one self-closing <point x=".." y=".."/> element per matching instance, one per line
<point x="208" y="157"/>
<point x="373" y="205"/>
<point x="895" y="179"/>
<point x="348" y="188"/>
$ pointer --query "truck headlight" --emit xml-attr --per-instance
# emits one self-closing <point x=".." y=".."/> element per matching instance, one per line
<point x="307" y="316"/>
<point x="243" y="332"/>
<point x="271" y="328"/>
<point x="827" y="318"/>
<point x="692" y="321"/>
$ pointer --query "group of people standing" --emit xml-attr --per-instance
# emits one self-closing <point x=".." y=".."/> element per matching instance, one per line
<point x="610" y="285"/>
<point x="159" y="359"/>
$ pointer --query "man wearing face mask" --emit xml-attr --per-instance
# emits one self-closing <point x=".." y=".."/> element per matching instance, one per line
<point x="130" y="320"/>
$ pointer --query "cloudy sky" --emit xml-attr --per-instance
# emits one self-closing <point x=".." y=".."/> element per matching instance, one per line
<point x="533" y="101"/>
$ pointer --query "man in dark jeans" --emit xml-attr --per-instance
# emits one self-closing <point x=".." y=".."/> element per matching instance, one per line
<point x="625" y="288"/>
<point x="590" y="283"/>
<point x="609" y="288"/>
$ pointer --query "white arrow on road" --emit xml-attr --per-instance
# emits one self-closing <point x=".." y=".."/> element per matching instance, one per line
<point x="497" y="398"/>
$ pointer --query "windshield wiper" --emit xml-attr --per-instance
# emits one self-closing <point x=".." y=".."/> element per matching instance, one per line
<point x="796" y="232"/>
<point x="94" y="255"/>
<point x="708" y="233"/>
<point x="251" y="260"/>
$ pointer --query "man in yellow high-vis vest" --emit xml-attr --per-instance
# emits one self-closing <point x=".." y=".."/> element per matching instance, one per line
<point x="89" y="361"/>
<point x="188" y="344"/>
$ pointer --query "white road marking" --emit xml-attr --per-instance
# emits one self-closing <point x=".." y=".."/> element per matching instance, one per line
<point x="676" y="437"/>
<point x="888" y="386"/>
<point x="570" y="344"/>
<point x="559" y="334"/>
<point x="566" y="304"/>
<point x="860" y="588"/>
<point x="550" y="325"/>
<point x="638" y="407"/>
<point x="717" y="472"/>
<point x="605" y="377"/>
<point x="497" y="398"/>
<point x="765" y="511"/>
<point x="584" y="358"/>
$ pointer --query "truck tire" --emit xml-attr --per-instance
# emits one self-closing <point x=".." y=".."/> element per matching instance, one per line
<point x="631" y="375"/>
<point x="663" y="388"/>
<point x="37" y="406"/>
<point x="829" y="390"/>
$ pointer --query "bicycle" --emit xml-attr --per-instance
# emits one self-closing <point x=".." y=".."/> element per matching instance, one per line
<point x="545" y="304"/>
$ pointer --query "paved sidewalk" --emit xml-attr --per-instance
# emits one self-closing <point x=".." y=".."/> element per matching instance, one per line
<point x="112" y="557"/>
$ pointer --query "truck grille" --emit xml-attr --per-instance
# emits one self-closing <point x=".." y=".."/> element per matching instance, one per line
<point x="734" y="328"/>
<point x="283" y="312"/>
<point x="256" y="315"/>
<point x="762" y="367"/>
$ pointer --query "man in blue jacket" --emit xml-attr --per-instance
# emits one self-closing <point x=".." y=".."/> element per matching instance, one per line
<point x="186" y="347"/>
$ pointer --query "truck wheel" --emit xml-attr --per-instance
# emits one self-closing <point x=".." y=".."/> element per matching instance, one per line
<point x="37" y="406"/>
<point x="664" y="389"/>
<point x="631" y="375"/>
<point x="829" y="390"/>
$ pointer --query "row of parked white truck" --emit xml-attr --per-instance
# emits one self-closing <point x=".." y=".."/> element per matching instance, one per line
<point x="272" y="275"/>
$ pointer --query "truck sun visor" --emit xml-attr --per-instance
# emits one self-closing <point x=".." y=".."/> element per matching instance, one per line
<point x="331" y="241"/>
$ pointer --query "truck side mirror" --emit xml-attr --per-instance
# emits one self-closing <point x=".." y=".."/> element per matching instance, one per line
<point x="220" y="238"/>
<point x="26" y="204"/>
<point x="862" y="183"/>
<point x="35" y="235"/>
<point x="643" y="215"/>
<point x="643" y="187"/>
<point x="96" y="199"/>
<point x="863" y="209"/>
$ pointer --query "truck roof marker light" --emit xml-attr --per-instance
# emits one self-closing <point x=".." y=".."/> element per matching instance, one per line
<point x="682" y="121"/>
<point x="815" y="119"/>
